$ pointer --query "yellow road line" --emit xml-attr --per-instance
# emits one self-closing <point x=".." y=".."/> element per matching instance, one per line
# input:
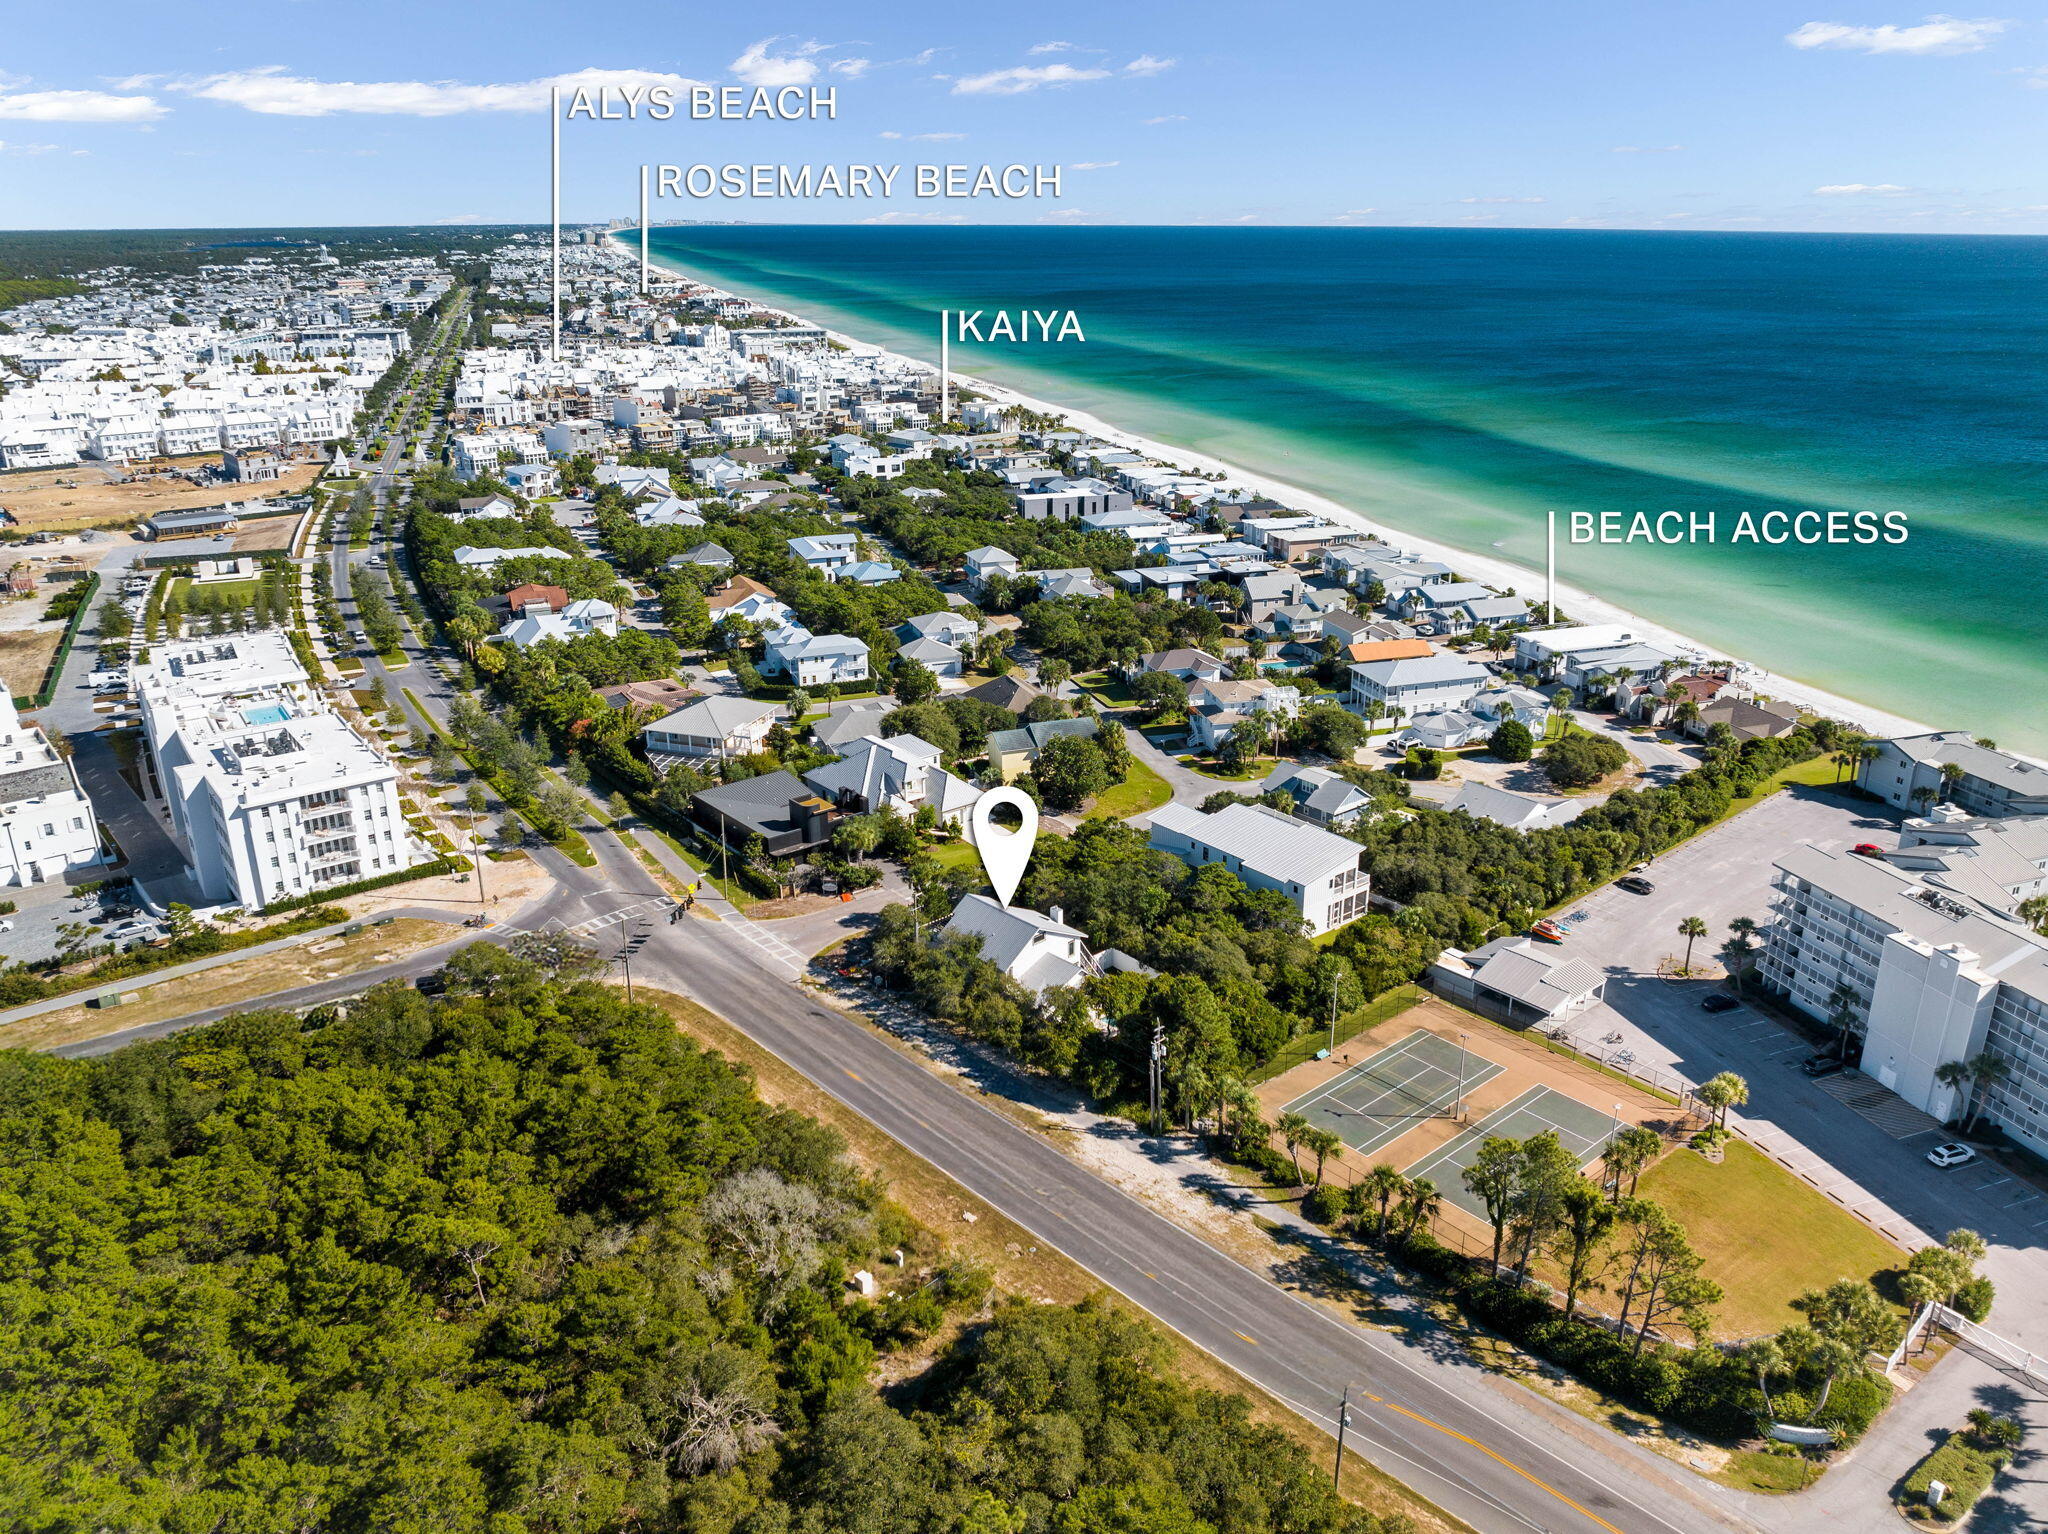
<point x="1533" y="1480"/>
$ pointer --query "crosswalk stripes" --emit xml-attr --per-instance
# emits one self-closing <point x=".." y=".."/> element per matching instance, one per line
<point x="658" y="904"/>
<point x="767" y="942"/>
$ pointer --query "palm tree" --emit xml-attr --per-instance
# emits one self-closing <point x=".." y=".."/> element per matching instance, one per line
<point x="1627" y="1154"/>
<point x="1763" y="1355"/>
<point x="1383" y="1184"/>
<point x="1691" y="929"/>
<point x="1842" y="1004"/>
<point x="1722" y="1092"/>
<point x="1293" y="1130"/>
<point x="1986" y="1070"/>
<point x="1955" y="1075"/>
<point x="2034" y="912"/>
<point x="1420" y="1202"/>
<point x="1951" y="775"/>
<point x="1327" y="1145"/>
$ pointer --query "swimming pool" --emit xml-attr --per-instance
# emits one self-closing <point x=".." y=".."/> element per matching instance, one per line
<point x="270" y="713"/>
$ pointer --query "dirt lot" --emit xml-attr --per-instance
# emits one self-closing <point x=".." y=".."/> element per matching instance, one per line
<point x="25" y="656"/>
<point x="45" y="500"/>
<point x="268" y="535"/>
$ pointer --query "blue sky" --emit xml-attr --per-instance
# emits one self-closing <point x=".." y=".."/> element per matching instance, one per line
<point x="1709" y="114"/>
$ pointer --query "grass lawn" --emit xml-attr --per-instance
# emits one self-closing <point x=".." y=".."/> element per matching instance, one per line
<point x="1209" y="767"/>
<point x="1818" y="773"/>
<point x="958" y="856"/>
<point x="1766" y="1236"/>
<point x="1105" y="689"/>
<point x="235" y="593"/>
<point x="1142" y="790"/>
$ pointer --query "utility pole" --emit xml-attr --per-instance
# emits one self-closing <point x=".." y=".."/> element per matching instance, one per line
<point x="1158" y="1060"/>
<point x="1343" y="1422"/>
<point x="1461" y="1079"/>
<point x="1333" y="1014"/>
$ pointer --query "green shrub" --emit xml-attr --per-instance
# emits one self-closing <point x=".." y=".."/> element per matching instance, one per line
<point x="1960" y="1465"/>
<point x="1974" y="1299"/>
<point x="1325" y="1205"/>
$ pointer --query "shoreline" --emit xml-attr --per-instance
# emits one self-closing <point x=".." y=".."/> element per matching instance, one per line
<point x="1582" y="606"/>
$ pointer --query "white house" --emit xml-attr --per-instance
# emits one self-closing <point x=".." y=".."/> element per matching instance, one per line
<point x="1319" y="795"/>
<point x="940" y="658"/>
<point x="825" y="552"/>
<point x="1518" y="812"/>
<point x="1315" y="869"/>
<point x="813" y="660"/>
<point x="1215" y="708"/>
<point x="1907" y="772"/>
<point x="897" y="772"/>
<point x="1428" y="684"/>
<point x="987" y="561"/>
<point x="1519" y="978"/>
<point x="587" y="615"/>
<point x="46" y="821"/>
<point x="717" y="727"/>
<point x="1040" y="953"/>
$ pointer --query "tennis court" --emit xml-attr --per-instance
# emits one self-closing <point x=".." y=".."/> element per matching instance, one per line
<point x="1584" y="1132"/>
<point x="1384" y="1096"/>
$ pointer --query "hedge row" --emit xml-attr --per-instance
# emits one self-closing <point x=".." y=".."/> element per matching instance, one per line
<point x="88" y="589"/>
<point x="427" y="870"/>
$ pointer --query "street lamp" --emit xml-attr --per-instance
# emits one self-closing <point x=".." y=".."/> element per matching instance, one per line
<point x="1461" y="1077"/>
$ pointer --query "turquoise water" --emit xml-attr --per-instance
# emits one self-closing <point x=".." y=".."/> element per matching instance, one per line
<point x="1462" y="383"/>
<point x="269" y="713"/>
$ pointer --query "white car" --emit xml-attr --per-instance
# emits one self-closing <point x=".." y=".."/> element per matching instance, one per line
<point x="1951" y="1154"/>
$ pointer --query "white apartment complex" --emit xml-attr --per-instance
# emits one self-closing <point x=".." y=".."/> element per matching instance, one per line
<point x="1926" y="974"/>
<point x="46" y="821"/>
<point x="1317" y="870"/>
<point x="270" y="793"/>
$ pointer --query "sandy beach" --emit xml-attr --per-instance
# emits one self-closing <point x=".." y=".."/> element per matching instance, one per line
<point x="1578" y="605"/>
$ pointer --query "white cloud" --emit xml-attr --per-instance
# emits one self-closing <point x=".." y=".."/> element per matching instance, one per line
<point x="276" y="94"/>
<point x="78" y="107"/>
<point x="924" y="138"/>
<point x="1015" y="82"/>
<point x="1937" y="34"/>
<point x="27" y="149"/>
<point x="1356" y="213"/>
<point x="1095" y="165"/>
<point x="905" y="216"/>
<point x="853" y="69"/>
<point x="461" y="218"/>
<point x="1171" y="117"/>
<point x="1503" y="199"/>
<point x="1057" y="48"/>
<point x="1646" y="149"/>
<point x="757" y="66"/>
<point x="1861" y="189"/>
<point x="1146" y="64"/>
<point x="1066" y="216"/>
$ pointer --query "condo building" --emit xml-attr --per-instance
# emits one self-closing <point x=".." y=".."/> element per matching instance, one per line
<point x="46" y="821"/>
<point x="269" y="792"/>
<point x="1926" y="973"/>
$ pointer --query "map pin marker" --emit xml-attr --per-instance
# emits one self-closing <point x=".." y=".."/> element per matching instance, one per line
<point x="1004" y="853"/>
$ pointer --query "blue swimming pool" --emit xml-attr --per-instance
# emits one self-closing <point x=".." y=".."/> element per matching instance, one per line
<point x="270" y="713"/>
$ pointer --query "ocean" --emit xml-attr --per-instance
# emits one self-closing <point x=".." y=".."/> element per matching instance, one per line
<point x="1461" y="384"/>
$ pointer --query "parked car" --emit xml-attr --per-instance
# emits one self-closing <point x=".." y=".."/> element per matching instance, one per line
<point x="1820" y="1065"/>
<point x="1951" y="1154"/>
<point x="1635" y="884"/>
<point x="1867" y="850"/>
<point x="132" y="929"/>
<point x="1719" y="1001"/>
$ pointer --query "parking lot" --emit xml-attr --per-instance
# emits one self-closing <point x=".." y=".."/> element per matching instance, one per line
<point x="1872" y="1159"/>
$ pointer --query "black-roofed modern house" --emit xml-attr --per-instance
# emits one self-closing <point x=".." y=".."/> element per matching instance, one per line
<point x="787" y="814"/>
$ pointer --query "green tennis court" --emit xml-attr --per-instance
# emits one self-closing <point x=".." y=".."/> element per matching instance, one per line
<point x="1381" y="1098"/>
<point x="1583" y="1131"/>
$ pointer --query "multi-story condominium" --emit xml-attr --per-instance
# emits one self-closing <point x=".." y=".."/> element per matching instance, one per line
<point x="1926" y="975"/>
<point x="270" y="793"/>
<point x="1908" y="772"/>
<point x="1314" y="868"/>
<point x="46" y="821"/>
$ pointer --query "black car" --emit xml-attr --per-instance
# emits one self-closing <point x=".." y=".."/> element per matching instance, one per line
<point x="1820" y="1065"/>
<point x="1636" y="885"/>
<point x="1719" y="1001"/>
<point x="435" y="984"/>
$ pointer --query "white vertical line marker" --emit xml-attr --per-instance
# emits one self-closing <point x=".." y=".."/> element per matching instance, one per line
<point x="555" y="209"/>
<point x="643" y="231"/>
<point x="945" y="368"/>
<point x="1550" y="567"/>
